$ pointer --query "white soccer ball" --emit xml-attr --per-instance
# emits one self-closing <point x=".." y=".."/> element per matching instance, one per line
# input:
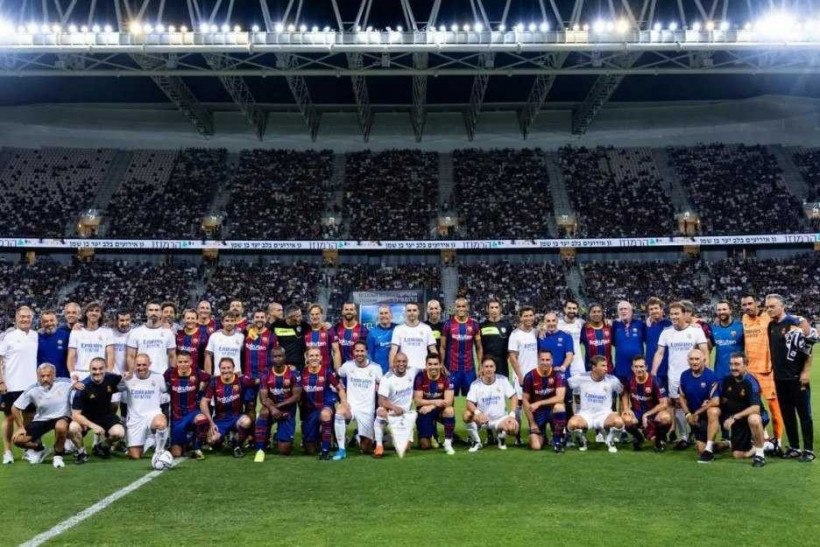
<point x="162" y="460"/>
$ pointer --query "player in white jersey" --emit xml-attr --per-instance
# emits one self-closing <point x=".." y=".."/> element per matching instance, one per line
<point x="413" y="338"/>
<point x="487" y="406"/>
<point x="18" y="370"/>
<point x="678" y="340"/>
<point x="154" y="340"/>
<point x="143" y="390"/>
<point x="362" y="377"/>
<point x="117" y="352"/>
<point x="522" y="353"/>
<point x="595" y="390"/>
<point x="573" y="325"/>
<point x="227" y="342"/>
<point x="50" y="399"/>
<point x="87" y="342"/>
<point x="395" y="407"/>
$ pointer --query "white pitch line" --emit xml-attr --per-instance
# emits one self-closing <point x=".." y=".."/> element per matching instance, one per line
<point x="94" y="509"/>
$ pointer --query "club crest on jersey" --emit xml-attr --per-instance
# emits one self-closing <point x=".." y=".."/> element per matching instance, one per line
<point x="503" y="330"/>
<point x="647" y="390"/>
<point x="703" y="384"/>
<point x="742" y="392"/>
<point x="734" y="334"/>
<point x="108" y="389"/>
<point x="192" y="378"/>
<point x="551" y="381"/>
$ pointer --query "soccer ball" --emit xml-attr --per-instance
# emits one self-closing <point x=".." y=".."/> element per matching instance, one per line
<point x="162" y="460"/>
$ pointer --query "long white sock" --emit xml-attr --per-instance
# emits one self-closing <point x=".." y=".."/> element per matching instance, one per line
<point x="160" y="436"/>
<point x="613" y="431"/>
<point x="710" y="446"/>
<point x="472" y="431"/>
<point x="502" y="435"/>
<point x="759" y="451"/>
<point x="378" y="427"/>
<point x="680" y="421"/>
<point x="340" y="426"/>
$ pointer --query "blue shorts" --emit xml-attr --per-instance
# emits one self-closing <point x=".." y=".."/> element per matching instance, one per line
<point x="310" y="426"/>
<point x="226" y="425"/>
<point x="181" y="427"/>
<point x="426" y="423"/>
<point x="285" y="429"/>
<point x="543" y="418"/>
<point x="462" y="380"/>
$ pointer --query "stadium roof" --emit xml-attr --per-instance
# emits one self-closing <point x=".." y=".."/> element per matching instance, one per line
<point x="404" y="56"/>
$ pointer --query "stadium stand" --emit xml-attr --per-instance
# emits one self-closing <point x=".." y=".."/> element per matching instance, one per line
<point x="606" y="185"/>
<point x="36" y="285"/>
<point x="366" y="277"/>
<point x="737" y="189"/>
<point x="500" y="194"/>
<point x="45" y="189"/>
<point x="279" y="194"/>
<point x="808" y="161"/>
<point x="403" y="212"/>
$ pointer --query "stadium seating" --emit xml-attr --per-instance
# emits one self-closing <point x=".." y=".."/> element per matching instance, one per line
<point x="36" y="285"/>
<point x="501" y="194"/>
<point x="616" y="192"/>
<point x="45" y="189"/>
<point x="365" y="277"/>
<point x="808" y="161"/>
<point x="280" y="194"/>
<point x="737" y="189"/>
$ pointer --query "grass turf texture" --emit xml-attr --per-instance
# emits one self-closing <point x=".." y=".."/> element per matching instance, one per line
<point x="491" y="497"/>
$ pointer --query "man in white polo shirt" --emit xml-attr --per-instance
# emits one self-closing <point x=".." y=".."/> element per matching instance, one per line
<point x="18" y="370"/>
<point x="414" y="339"/>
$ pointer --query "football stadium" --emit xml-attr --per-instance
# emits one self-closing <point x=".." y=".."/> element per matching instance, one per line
<point x="452" y="272"/>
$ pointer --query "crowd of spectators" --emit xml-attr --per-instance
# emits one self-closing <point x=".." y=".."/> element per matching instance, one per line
<point x="45" y="189"/>
<point x="607" y="283"/>
<point x="368" y="277"/>
<point x="500" y="194"/>
<point x="35" y="285"/>
<point x="616" y="192"/>
<point x="280" y="194"/>
<point x="737" y="189"/>
<point x="391" y="194"/>
<point x="258" y="284"/>
<point x="808" y="161"/>
<point x="538" y="284"/>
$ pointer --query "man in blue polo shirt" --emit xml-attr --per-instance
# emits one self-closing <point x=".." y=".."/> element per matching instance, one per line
<point x="628" y="338"/>
<point x="727" y="334"/>
<point x="558" y="343"/>
<point x="378" y="339"/>
<point x="52" y="344"/>
<point x="655" y="323"/>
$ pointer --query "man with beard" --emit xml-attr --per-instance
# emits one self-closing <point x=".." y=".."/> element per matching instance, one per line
<point x="434" y="322"/>
<point x="655" y="325"/>
<point x="727" y="333"/>
<point x="225" y="343"/>
<point x="349" y="331"/>
<point x="573" y="325"/>
<point x="52" y="344"/>
<point x="290" y="332"/>
<point x="88" y="342"/>
<point x="154" y="340"/>
<point x="193" y="339"/>
<point x="318" y="336"/>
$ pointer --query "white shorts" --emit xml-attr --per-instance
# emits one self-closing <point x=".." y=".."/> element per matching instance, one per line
<point x="494" y="423"/>
<point x="138" y="431"/>
<point x="594" y="420"/>
<point x="402" y="424"/>
<point x="674" y="384"/>
<point x="116" y="397"/>
<point x="364" y="422"/>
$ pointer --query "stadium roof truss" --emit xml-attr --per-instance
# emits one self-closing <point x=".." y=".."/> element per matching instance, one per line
<point x="210" y="38"/>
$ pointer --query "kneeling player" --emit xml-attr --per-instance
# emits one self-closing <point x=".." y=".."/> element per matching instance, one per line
<point x="395" y="403"/>
<point x="185" y="385"/>
<point x="143" y="393"/>
<point x="230" y="393"/>
<point x="279" y="391"/>
<point x="362" y="377"/>
<point x="644" y="407"/>
<point x="433" y="395"/>
<point x="316" y="406"/>
<point x="543" y="394"/>
<point x="487" y="406"/>
<point x="595" y="389"/>
<point x="738" y="397"/>
<point x="91" y="410"/>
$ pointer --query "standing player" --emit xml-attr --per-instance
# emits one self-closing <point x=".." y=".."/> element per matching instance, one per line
<point x="596" y="338"/>
<point x="320" y="389"/>
<point x="378" y="339"/>
<point x="727" y="333"/>
<point x="229" y="393"/>
<point x="543" y="393"/>
<point x="697" y="385"/>
<point x="275" y="313"/>
<point x="460" y="338"/>
<point x="495" y="336"/>
<point x="433" y="394"/>
<point x="348" y="331"/>
<point x="280" y="391"/>
<point x="790" y="349"/>
<point x="317" y="336"/>
<point x="91" y="410"/>
<point x="595" y="390"/>
<point x="678" y="340"/>
<point x="71" y="316"/>
<point x="522" y="350"/>
<point x="225" y="343"/>
<point x="558" y="343"/>
<point x="87" y="342"/>
<point x="192" y="339"/>
<point x="143" y="390"/>
<point x="257" y="350"/>
<point x="655" y="325"/>
<point x="361" y="377"/>
<point x="169" y="317"/>
<point x="571" y="324"/>
<point x="628" y="339"/>
<point x="434" y="322"/>
<point x="238" y="307"/>
<point x="52" y="344"/>
<point x="205" y="318"/>
<point x="395" y="407"/>
<point x="644" y="407"/>
<point x="290" y="334"/>
<point x="487" y="406"/>
<point x="412" y="338"/>
<point x="18" y="370"/>
<point x="185" y="384"/>
<point x="154" y="340"/>
<point x="738" y="397"/>
<point x="117" y="352"/>
<point x="49" y="396"/>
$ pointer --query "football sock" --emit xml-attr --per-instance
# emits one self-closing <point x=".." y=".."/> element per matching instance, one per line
<point x="160" y="436"/>
<point x="325" y="430"/>
<point x="710" y="446"/>
<point x="559" y="422"/>
<point x="680" y="420"/>
<point x="261" y="432"/>
<point x="613" y="431"/>
<point x="759" y="451"/>
<point x="340" y="426"/>
<point x="449" y="427"/>
<point x="378" y="426"/>
<point x="472" y="430"/>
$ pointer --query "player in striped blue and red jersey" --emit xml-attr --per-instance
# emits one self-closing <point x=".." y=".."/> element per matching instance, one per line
<point x="348" y="331"/>
<point x="321" y="389"/>
<point x="433" y="395"/>
<point x="543" y="393"/>
<point x="186" y="384"/>
<point x="230" y="394"/>
<point x="280" y="391"/>
<point x="644" y="406"/>
<point x="596" y="337"/>
<point x="205" y="319"/>
<point x="460" y="335"/>
<point x="256" y="351"/>
<point x="317" y="336"/>
<point x="192" y="339"/>
<point x="238" y="306"/>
